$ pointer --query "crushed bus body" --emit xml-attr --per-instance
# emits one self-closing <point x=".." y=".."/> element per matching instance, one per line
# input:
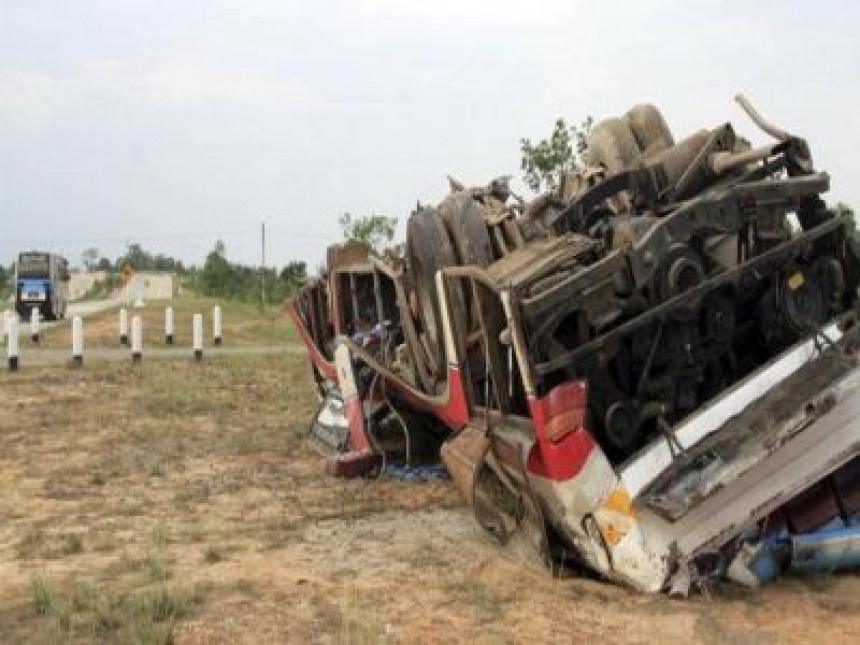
<point x="650" y="371"/>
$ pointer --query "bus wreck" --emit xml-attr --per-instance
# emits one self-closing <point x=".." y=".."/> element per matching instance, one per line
<point x="650" y="371"/>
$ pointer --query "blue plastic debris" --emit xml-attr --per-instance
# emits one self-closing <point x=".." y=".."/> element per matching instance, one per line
<point x="832" y="547"/>
<point x="825" y="551"/>
<point x="753" y="565"/>
<point x="416" y="474"/>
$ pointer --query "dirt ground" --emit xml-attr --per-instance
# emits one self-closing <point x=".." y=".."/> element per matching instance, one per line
<point x="176" y="502"/>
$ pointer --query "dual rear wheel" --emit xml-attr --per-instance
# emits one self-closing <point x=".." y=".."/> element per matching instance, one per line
<point x="451" y="235"/>
<point x="616" y="144"/>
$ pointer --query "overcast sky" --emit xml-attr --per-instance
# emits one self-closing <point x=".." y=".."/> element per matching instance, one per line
<point x="176" y="123"/>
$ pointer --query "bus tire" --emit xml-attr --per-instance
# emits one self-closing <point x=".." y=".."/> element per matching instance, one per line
<point x="429" y="249"/>
<point x="649" y="128"/>
<point x="612" y="145"/>
<point x="465" y="224"/>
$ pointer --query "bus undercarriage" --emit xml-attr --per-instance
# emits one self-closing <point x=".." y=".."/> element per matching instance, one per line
<point x="649" y="371"/>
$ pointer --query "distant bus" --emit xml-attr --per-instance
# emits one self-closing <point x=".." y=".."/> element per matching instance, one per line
<point x="41" y="282"/>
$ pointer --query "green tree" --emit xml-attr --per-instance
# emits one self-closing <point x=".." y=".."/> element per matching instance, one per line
<point x="90" y="257"/>
<point x="545" y="162"/>
<point x="221" y="278"/>
<point x="292" y="276"/>
<point x="375" y="230"/>
<point x="218" y="277"/>
<point x="5" y="282"/>
<point x="142" y="260"/>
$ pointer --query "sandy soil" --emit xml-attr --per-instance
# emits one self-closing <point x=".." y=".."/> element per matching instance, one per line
<point x="177" y="501"/>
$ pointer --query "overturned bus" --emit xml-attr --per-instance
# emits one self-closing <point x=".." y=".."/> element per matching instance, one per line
<point x="649" y="371"/>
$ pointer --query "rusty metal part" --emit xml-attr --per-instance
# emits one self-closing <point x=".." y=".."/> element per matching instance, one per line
<point x="463" y="455"/>
<point x="419" y="371"/>
<point x="365" y="463"/>
<point x="724" y="161"/>
<point x="659" y="311"/>
<point x="801" y="155"/>
<point x="758" y="119"/>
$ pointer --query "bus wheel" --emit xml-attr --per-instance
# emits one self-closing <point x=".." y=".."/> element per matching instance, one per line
<point x="429" y="249"/>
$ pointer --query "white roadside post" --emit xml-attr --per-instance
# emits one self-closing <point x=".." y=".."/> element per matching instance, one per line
<point x="216" y="325"/>
<point x="168" y="326"/>
<point x="197" y="335"/>
<point x="12" y="342"/>
<point x="123" y="326"/>
<point x="136" y="339"/>
<point x="77" y="341"/>
<point x="8" y="316"/>
<point x="35" y="332"/>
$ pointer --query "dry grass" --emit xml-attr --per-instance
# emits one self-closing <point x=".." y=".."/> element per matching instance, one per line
<point x="138" y="475"/>
<point x="88" y="613"/>
<point x="243" y="324"/>
<point x="176" y="502"/>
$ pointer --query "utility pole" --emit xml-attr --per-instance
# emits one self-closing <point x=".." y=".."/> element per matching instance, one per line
<point x="263" y="271"/>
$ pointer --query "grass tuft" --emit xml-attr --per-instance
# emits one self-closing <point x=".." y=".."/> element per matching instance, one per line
<point x="46" y="602"/>
<point x="213" y="555"/>
<point x="37" y="544"/>
<point x="160" y="535"/>
<point x="31" y="544"/>
<point x="72" y="544"/>
<point x="84" y="597"/>
<point x="157" y="569"/>
<point x="148" y="617"/>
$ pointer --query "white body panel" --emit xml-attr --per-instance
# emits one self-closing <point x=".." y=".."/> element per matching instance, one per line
<point x="652" y="461"/>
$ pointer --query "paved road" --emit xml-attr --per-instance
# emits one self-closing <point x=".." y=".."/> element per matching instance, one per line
<point x="90" y="307"/>
<point x="59" y="356"/>
<point x="82" y="309"/>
